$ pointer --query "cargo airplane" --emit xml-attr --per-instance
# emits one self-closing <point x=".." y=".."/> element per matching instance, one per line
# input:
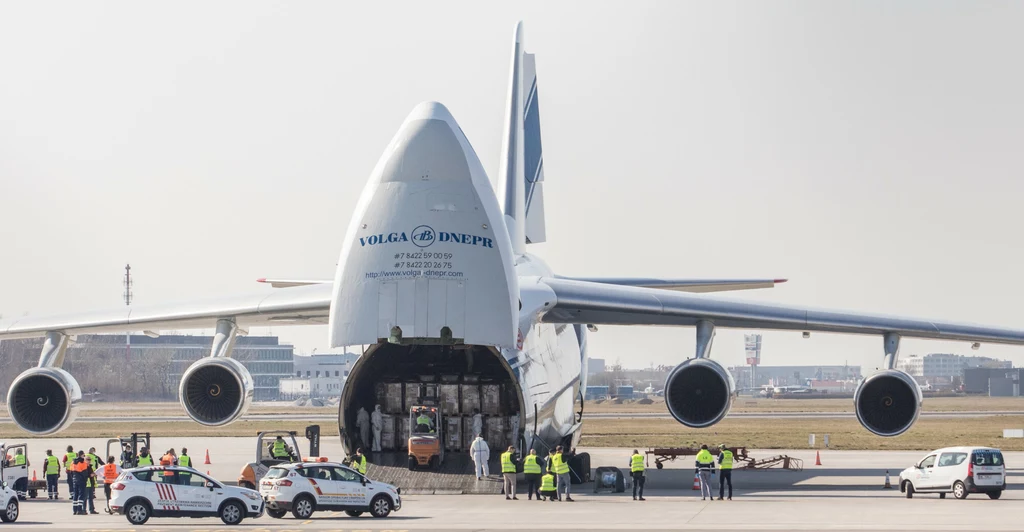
<point x="436" y="277"/>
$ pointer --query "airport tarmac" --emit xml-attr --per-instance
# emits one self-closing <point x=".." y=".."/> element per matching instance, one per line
<point x="844" y="493"/>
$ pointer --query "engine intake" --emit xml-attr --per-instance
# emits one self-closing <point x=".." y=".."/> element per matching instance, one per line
<point x="43" y="400"/>
<point x="888" y="402"/>
<point x="216" y="391"/>
<point x="699" y="392"/>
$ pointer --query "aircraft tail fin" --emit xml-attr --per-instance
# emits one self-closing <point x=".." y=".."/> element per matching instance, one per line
<point x="521" y="173"/>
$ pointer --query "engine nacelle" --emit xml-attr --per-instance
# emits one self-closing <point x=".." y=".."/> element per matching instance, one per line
<point x="699" y="392"/>
<point x="888" y="402"/>
<point x="43" y="400"/>
<point x="215" y="391"/>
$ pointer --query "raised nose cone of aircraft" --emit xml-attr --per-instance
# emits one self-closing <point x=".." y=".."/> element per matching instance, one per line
<point x="428" y="148"/>
<point x="431" y="111"/>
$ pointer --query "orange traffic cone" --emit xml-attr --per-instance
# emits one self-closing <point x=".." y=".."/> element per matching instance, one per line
<point x="33" y="475"/>
<point x="817" y="458"/>
<point x="207" y="457"/>
<point x="887" y="485"/>
<point x="696" y="481"/>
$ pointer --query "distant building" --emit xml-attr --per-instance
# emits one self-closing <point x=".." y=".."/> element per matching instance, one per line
<point x="994" y="382"/>
<point x="318" y="376"/>
<point x="595" y="365"/>
<point x="947" y="365"/>
<point x="793" y="375"/>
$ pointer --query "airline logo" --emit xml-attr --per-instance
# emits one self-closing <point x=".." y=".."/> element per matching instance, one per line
<point x="424" y="236"/>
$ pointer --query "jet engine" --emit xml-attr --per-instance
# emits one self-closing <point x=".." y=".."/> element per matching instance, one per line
<point x="215" y="391"/>
<point x="888" y="402"/>
<point x="43" y="400"/>
<point x="699" y="392"/>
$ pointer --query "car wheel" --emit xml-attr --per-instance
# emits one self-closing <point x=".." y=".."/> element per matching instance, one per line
<point x="137" y="512"/>
<point x="232" y="513"/>
<point x="10" y="513"/>
<point x="380" y="506"/>
<point x="909" y="489"/>
<point x="303" y="507"/>
<point x="959" y="490"/>
<point x="276" y="514"/>
<point x="354" y="513"/>
<point x="942" y="495"/>
<point x="994" y="494"/>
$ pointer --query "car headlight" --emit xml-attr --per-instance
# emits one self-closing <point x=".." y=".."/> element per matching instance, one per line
<point x="252" y="496"/>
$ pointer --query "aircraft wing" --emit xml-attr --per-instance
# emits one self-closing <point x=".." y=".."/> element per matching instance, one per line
<point x="682" y="285"/>
<point x="294" y="306"/>
<point x="605" y="304"/>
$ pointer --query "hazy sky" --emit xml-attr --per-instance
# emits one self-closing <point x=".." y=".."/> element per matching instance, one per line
<point x="871" y="152"/>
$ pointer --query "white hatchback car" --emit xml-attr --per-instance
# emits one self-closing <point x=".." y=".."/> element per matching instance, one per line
<point x="9" y="499"/>
<point x="957" y="470"/>
<point x="159" y="491"/>
<point x="304" y="488"/>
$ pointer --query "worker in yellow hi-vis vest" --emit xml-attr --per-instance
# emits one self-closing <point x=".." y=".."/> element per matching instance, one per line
<point x="725" y="470"/>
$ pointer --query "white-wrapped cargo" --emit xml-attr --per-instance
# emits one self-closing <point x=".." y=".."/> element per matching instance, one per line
<point x="412" y="395"/>
<point x="490" y="398"/>
<point x="387" y="433"/>
<point x="401" y="433"/>
<point x="467" y="432"/>
<point x="495" y="429"/>
<point x="470" y="398"/>
<point x="453" y="434"/>
<point x="449" y="399"/>
<point x="391" y="401"/>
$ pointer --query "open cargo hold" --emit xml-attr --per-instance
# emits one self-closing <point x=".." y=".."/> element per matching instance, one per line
<point x="460" y="377"/>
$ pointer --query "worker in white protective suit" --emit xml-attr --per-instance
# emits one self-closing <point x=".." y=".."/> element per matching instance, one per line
<point x="363" y="423"/>
<point x="377" y="420"/>
<point x="481" y="453"/>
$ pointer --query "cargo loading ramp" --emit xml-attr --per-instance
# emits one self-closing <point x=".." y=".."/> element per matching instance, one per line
<point x="455" y="475"/>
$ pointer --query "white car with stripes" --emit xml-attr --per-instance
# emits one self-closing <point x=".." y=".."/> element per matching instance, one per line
<point x="159" y="491"/>
<point x="304" y="488"/>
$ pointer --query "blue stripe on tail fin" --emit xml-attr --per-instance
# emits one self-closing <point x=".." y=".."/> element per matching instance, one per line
<point x="533" y="155"/>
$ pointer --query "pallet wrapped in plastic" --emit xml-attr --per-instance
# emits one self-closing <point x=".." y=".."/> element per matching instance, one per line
<point x="389" y="397"/>
<point x="453" y="434"/>
<point x="490" y="399"/>
<point x="449" y="399"/>
<point x="467" y="432"/>
<point x="401" y="433"/>
<point x="387" y="433"/>
<point x="495" y="433"/>
<point x="412" y="395"/>
<point x="470" y="398"/>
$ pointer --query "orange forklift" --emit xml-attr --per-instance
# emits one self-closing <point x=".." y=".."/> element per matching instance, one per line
<point x="426" y="444"/>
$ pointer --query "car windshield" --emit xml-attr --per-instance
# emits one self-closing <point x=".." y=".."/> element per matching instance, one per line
<point x="987" y="458"/>
<point x="276" y="472"/>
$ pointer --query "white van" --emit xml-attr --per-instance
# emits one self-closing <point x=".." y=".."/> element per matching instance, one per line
<point x="957" y="470"/>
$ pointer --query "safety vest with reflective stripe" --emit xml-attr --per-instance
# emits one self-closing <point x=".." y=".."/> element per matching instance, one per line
<point x="146" y="460"/>
<point x="636" y="463"/>
<point x="185" y="460"/>
<point x="706" y="461"/>
<point x="94" y="460"/>
<point x="530" y="464"/>
<point x="362" y="464"/>
<point x="90" y="479"/>
<point x="726" y="460"/>
<point x="52" y="465"/>
<point x="279" y="449"/>
<point x="69" y="461"/>
<point x="559" y="466"/>
<point x="109" y="473"/>
<point x="547" y="482"/>
<point x="507" y="466"/>
<point x="19" y="459"/>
